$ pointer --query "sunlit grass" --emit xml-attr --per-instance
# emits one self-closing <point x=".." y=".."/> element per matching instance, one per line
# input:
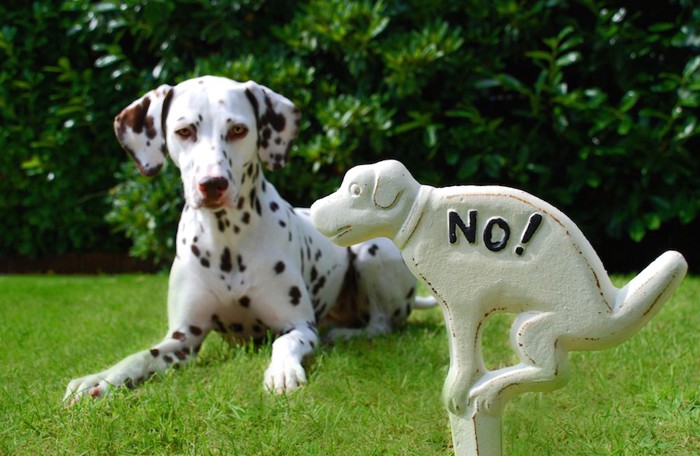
<point x="364" y="397"/>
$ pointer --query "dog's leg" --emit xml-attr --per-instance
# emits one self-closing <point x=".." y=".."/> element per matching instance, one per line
<point x="543" y="366"/>
<point x="190" y="308"/>
<point x="179" y="347"/>
<point x="285" y="372"/>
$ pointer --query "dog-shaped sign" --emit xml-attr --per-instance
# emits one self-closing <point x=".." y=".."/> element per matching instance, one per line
<point x="488" y="249"/>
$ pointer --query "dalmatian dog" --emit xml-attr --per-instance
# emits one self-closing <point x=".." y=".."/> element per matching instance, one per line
<point x="247" y="263"/>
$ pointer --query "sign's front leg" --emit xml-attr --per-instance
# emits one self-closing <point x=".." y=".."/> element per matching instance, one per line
<point x="474" y="432"/>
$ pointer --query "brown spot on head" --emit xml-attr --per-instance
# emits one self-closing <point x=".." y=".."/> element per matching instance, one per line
<point x="135" y="117"/>
<point x="150" y="128"/>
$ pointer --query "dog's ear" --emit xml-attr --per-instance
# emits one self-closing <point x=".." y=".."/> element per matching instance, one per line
<point x="140" y="129"/>
<point x="278" y="124"/>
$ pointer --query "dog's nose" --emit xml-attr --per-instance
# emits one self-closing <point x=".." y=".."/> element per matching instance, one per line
<point x="213" y="187"/>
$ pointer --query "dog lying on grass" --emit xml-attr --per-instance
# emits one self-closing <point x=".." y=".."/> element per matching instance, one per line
<point x="247" y="263"/>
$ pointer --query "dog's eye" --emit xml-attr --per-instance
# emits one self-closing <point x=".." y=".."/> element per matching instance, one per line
<point x="236" y="132"/>
<point x="183" y="133"/>
<point x="355" y="189"/>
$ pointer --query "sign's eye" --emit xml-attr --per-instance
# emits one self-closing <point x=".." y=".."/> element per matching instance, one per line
<point x="355" y="189"/>
<point x="236" y="132"/>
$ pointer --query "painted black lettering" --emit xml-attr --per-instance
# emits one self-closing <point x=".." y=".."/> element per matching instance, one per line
<point x="469" y="230"/>
<point x="500" y="244"/>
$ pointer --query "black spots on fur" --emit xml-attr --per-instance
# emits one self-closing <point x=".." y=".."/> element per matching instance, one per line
<point x="373" y="249"/>
<point x="252" y="170"/>
<point x="155" y="352"/>
<point x="244" y="301"/>
<point x="265" y="135"/>
<point x="226" y="265"/>
<point x="203" y="259"/>
<point x="195" y="330"/>
<point x="253" y="195"/>
<point x="177" y="335"/>
<point x="294" y="295"/>
<point x="274" y="119"/>
<point x="279" y="160"/>
<point x="318" y="285"/>
<point x="241" y="202"/>
<point x="245" y="218"/>
<point x="236" y="327"/>
<point x="318" y="255"/>
<point x="319" y="311"/>
<point x="221" y="220"/>
<point x="274" y="206"/>
<point x="283" y="224"/>
<point x="314" y="274"/>
<point x="411" y="293"/>
<point x="258" y="207"/>
<point x="256" y="107"/>
<point x="279" y="267"/>
<point x="241" y="266"/>
<point x="218" y="324"/>
<point x="312" y="326"/>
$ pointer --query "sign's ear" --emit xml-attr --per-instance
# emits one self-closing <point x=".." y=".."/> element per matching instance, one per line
<point x="140" y="129"/>
<point x="278" y="124"/>
<point x="390" y="183"/>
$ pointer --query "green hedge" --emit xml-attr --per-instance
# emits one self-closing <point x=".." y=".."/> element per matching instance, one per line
<point x="591" y="107"/>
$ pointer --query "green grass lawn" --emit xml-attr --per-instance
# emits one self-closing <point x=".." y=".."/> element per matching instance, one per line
<point x="364" y="397"/>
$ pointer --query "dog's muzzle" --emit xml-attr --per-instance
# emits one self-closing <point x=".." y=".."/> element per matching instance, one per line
<point x="212" y="190"/>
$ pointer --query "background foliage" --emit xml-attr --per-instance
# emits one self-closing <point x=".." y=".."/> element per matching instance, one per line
<point x="588" y="105"/>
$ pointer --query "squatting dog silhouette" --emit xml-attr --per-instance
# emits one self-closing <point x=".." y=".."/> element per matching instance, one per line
<point x="488" y="249"/>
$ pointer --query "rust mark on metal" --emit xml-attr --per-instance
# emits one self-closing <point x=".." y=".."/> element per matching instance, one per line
<point x="658" y="296"/>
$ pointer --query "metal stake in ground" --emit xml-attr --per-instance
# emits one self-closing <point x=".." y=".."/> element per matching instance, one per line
<point x="485" y="250"/>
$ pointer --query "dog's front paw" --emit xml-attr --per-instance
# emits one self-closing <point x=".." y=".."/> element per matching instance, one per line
<point x="92" y="386"/>
<point x="284" y="377"/>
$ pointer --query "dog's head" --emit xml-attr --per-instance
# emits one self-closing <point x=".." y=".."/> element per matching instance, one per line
<point x="373" y="201"/>
<point x="215" y="130"/>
